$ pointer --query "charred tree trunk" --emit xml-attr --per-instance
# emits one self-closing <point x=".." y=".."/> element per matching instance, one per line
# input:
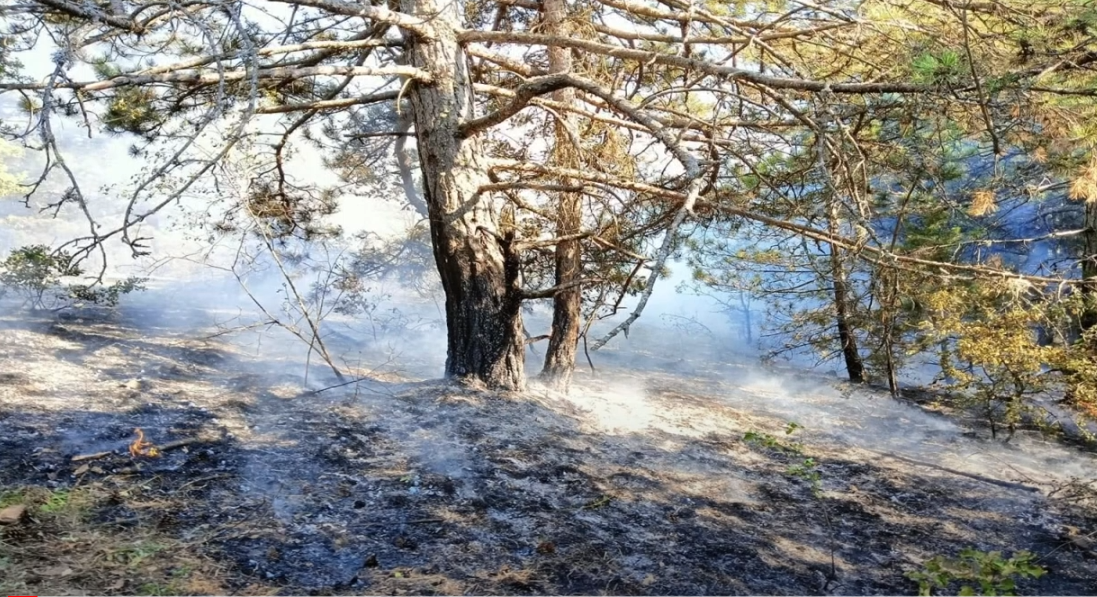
<point x="479" y="272"/>
<point x="850" y="353"/>
<point x="566" y="304"/>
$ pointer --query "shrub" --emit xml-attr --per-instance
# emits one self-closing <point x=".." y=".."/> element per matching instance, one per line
<point x="35" y="273"/>
<point x="977" y="572"/>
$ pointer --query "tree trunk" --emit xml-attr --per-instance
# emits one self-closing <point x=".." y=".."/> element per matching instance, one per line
<point x="567" y="304"/>
<point x="854" y="366"/>
<point x="886" y="289"/>
<point x="480" y="274"/>
<point x="1079" y="384"/>
<point x="1089" y="265"/>
<point x="850" y="353"/>
<point x="747" y="320"/>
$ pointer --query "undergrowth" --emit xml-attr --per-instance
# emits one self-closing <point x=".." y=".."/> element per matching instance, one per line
<point x="63" y="546"/>
<point x="37" y="275"/>
<point x="976" y="572"/>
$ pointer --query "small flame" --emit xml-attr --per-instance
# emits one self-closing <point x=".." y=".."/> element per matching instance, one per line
<point x="142" y="447"/>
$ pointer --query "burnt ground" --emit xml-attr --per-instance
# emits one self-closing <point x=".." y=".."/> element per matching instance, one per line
<point x="638" y="482"/>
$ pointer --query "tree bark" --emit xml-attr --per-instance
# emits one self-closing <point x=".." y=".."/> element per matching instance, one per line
<point x="1089" y="265"/>
<point x="479" y="271"/>
<point x="846" y="337"/>
<point x="567" y="304"/>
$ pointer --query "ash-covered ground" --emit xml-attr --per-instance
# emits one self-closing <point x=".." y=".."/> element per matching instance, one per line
<point x="637" y="482"/>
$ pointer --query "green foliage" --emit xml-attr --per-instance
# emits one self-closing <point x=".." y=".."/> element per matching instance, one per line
<point x="802" y="466"/>
<point x="771" y="442"/>
<point x="943" y="67"/>
<point x="989" y="351"/>
<point x="35" y="273"/>
<point x="132" y="110"/>
<point x="933" y="235"/>
<point x="44" y="502"/>
<point x="56" y="502"/>
<point x="977" y="573"/>
<point x="808" y="470"/>
<point x="105" y="295"/>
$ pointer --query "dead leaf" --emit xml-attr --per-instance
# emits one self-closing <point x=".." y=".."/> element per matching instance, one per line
<point x="117" y="585"/>
<point x="12" y="514"/>
<point x="80" y="470"/>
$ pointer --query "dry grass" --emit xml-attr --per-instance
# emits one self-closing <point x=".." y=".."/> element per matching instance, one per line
<point x="65" y="546"/>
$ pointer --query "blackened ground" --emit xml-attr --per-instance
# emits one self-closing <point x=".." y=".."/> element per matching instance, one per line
<point x="638" y="483"/>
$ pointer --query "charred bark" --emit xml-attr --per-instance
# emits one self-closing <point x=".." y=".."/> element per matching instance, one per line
<point x="479" y="272"/>
<point x="567" y="304"/>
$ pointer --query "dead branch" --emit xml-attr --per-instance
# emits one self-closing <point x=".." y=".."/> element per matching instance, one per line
<point x="96" y="455"/>
<point x="172" y="445"/>
<point x="660" y="262"/>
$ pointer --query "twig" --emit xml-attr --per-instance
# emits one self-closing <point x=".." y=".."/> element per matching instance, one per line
<point x="129" y="470"/>
<point x="202" y="479"/>
<point x="338" y="385"/>
<point x="586" y="351"/>
<point x="83" y="457"/>
<point x="413" y="521"/>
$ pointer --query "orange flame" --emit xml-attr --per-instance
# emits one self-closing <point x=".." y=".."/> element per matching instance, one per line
<point x="142" y="447"/>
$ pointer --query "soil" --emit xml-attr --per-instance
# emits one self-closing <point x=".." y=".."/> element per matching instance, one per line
<point x="639" y="481"/>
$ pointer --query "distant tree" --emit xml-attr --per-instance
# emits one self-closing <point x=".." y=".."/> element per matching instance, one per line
<point x="9" y="181"/>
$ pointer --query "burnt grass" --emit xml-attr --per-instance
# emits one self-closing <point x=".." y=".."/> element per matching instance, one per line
<point x="402" y="487"/>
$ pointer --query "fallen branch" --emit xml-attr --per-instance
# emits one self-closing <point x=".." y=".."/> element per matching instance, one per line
<point x="83" y="457"/>
<point x="179" y="443"/>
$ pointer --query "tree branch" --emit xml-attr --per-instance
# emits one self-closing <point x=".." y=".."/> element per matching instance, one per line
<point x="404" y="21"/>
<point x="209" y="78"/>
<point x="551" y="292"/>
<point x="702" y="66"/>
<point x="361" y="100"/>
<point x="522" y="96"/>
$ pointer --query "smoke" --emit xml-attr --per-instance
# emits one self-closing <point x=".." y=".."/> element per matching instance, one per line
<point x="683" y="372"/>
